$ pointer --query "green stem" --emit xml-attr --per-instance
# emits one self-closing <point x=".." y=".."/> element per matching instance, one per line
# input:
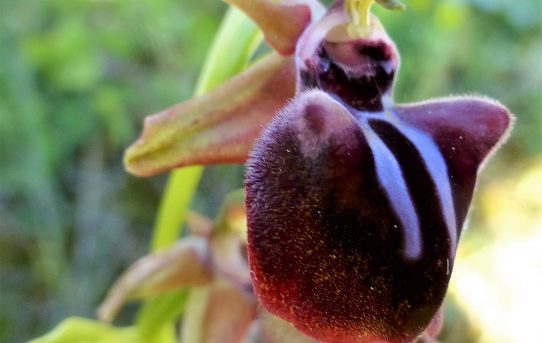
<point x="196" y="304"/>
<point x="180" y="189"/>
<point x="235" y="43"/>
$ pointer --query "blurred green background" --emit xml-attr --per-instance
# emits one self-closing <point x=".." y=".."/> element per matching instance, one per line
<point x="77" y="78"/>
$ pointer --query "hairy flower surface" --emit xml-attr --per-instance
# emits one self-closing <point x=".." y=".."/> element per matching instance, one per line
<point x="355" y="204"/>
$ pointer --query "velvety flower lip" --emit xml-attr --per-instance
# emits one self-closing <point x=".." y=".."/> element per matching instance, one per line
<point x="355" y="204"/>
<point x="341" y="213"/>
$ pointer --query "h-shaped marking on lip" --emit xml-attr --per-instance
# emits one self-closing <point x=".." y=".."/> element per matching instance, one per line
<point x="392" y="179"/>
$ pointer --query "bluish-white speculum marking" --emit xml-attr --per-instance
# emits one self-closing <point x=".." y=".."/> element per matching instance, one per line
<point x="393" y="182"/>
<point x="436" y="166"/>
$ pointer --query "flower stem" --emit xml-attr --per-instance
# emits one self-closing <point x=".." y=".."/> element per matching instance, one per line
<point x="234" y="44"/>
<point x="236" y="41"/>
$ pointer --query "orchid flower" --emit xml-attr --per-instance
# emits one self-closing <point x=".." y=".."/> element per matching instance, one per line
<point x="355" y="204"/>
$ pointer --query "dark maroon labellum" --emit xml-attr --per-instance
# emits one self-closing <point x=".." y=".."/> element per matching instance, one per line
<point x="355" y="205"/>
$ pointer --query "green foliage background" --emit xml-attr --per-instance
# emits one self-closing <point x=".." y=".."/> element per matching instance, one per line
<point x="77" y="78"/>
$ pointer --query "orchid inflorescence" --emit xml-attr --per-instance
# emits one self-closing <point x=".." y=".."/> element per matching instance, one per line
<point x="354" y="204"/>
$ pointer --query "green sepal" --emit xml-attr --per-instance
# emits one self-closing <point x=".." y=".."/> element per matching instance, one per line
<point x="394" y="5"/>
<point x="81" y="330"/>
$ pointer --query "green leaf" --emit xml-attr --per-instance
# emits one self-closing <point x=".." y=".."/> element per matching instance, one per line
<point x="80" y="330"/>
<point x="155" y="320"/>
<point x="236" y="41"/>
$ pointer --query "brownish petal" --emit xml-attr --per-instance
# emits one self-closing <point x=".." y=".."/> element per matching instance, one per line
<point x="229" y="260"/>
<point x="184" y="264"/>
<point x="219" y="127"/>
<point x="199" y="225"/>
<point x="435" y="326"/>
<point x="272" y="329"/>
<point x="228" y="315"/>
<point x="282" y="22"/>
